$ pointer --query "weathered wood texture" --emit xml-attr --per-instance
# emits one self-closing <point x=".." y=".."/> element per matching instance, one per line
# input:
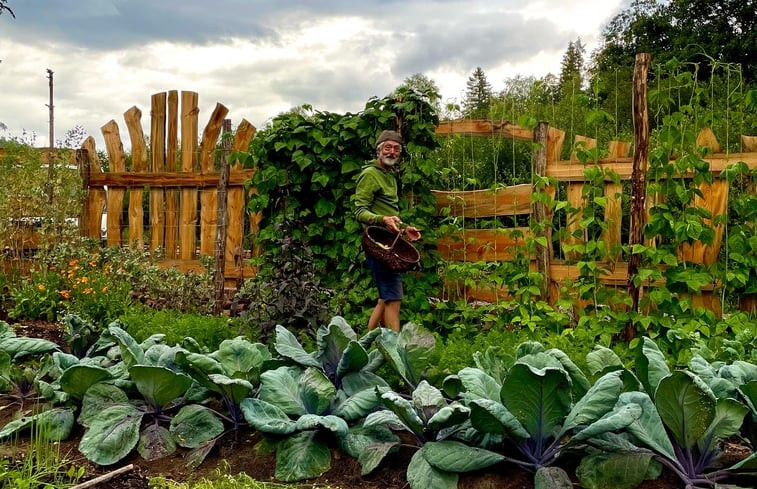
<point x="177" y="173"/>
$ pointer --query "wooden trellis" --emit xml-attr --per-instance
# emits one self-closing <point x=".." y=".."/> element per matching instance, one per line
<point x="182" y="182"/>
<point x="501" y="245"/>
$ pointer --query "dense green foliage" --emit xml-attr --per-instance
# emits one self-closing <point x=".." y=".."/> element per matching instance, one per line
<point x="307" y="164"/>
<point x="528" y="405"/>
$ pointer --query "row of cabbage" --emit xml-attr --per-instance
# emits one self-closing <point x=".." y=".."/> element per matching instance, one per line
<point x="534" y="408"/>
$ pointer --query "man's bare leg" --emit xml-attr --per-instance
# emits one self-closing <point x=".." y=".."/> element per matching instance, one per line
<point x="377" y="315"/>
<point x="392" y="315"/>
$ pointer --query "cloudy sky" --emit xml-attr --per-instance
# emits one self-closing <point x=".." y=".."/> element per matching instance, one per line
<point x="260" y="58"/>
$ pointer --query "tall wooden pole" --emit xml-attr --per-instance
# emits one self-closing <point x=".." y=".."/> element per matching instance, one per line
<point x="638" y="176"/>
<point x="50" y="154"/>
<point x="222" y="221"/>
<point x="539" y="209"/>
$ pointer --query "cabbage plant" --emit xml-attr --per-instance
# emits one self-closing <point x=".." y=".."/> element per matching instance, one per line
<point x="339" y="354"/>
<point x="232" y="372"/>
<point x="119" y="419"/>
<point x="429" y="418"/>
<point x="540" y="410"/>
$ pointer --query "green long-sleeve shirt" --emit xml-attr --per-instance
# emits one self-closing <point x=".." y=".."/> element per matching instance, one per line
<point x="375" y="195"/>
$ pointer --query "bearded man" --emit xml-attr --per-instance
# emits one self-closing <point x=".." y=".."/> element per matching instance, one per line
<point x="377" y="204"/>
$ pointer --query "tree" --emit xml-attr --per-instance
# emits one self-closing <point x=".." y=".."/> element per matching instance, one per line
<point x="690" y="30"/>
<point x="426" y="87"/>
<point x="478" y="95"/>
<point x="572" y="68"/>
<point x="6" y="8"/>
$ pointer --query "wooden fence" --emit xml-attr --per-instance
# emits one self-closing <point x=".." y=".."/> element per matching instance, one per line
<point x="502" y="244"/>
<point x="182" y="185"/>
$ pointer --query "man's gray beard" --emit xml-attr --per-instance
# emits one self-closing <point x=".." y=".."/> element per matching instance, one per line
<point x="388" y="161"/>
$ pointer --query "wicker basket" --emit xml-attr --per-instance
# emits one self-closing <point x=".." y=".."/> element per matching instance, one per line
<point x="397" y="254"/>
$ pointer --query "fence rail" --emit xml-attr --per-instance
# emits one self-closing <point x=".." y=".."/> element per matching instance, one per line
<point x="502" y="244"/>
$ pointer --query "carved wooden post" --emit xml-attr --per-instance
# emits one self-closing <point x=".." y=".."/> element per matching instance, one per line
<point x="539" y="209"/>
<point x="638" y="176"/>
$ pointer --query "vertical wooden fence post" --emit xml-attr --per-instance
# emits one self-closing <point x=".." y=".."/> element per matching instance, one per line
<point x="638" y="176"/>
<point x="539" y="209"/>
<point x="220" y="248"/>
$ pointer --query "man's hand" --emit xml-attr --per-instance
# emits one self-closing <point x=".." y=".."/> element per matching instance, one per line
<point x="413" y="233"/>
<point x="392" y="222"/>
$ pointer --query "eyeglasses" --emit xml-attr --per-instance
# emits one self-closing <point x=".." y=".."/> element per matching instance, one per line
<point x="395" y="148"/>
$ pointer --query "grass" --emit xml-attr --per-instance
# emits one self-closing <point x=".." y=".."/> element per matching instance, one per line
<point x="41" y="466"/>
<point x="228" y="481"/>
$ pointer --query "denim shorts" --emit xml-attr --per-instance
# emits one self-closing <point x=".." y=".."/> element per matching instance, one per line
<point x="388" y="282"/>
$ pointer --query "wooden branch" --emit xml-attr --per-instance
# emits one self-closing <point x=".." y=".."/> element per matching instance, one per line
<point x="105" y="477"/>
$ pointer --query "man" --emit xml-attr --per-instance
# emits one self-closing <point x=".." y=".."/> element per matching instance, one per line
<point x="377" y="204"/>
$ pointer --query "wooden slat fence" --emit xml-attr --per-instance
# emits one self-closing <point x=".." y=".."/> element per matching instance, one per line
<point x="180" y="179"/>
<point x="501" y="244"/>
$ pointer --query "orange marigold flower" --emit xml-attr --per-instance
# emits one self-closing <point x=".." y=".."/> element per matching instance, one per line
<point x="92" y="263"/>
<point x="65" y="294"/>
<point x="84" y="280"/>
<point x="105" y="289"/>
<point x="88" y="290"/>
<point x="73" y="262"/>
<point x="73" y="286"/>
<point x="41" y="287"/>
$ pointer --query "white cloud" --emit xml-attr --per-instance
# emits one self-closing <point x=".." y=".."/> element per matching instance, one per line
<point x="260" y="58"/>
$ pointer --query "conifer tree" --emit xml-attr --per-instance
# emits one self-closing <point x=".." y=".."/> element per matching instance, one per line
<point x="572" y="67"/>
<point x="478" y="95"/>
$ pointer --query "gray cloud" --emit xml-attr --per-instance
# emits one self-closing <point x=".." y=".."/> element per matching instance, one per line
<point x="262" y="57"/>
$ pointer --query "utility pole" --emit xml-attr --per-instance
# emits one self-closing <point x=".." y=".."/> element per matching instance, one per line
<point x="50" y="155"/>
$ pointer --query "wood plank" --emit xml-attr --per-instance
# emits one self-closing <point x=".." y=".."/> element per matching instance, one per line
<point x="157" y="164"/>
<point x="483" y="127"/>
<point x="614" y="275"/>
<point x="195" y="266"/>
<point x="188" y="205"/>
<point x="504" y="201"/>
<point x="623" y="166"/>
<point x="236" y="202"/>
<point x="115" y="198"/>
<point x="133" y="119"/>
<point x="172" y="164"/>
<point x="749" y="143"/>
<point x="614" y="209"/>
<point x="576" y="199"/>
<point x="715" y="200"/>
<point x="483" y="244"/>
<point x="555" y="141"/>
<point x="209" y="197"/>
<point x="94" y="201"/>
<point x="169" y="179"/>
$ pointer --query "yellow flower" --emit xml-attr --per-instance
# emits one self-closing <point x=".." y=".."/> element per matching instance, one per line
<point x="65" y="294"/>
<point x="84" y="280"/>
<point x="105" y="289"/>
<point x="41" y="287"/>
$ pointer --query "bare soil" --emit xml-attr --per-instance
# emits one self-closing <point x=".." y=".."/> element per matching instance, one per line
<point x="233" y="456"/>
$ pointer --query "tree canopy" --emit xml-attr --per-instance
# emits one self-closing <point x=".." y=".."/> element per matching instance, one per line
<point x="691" y="30"/>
